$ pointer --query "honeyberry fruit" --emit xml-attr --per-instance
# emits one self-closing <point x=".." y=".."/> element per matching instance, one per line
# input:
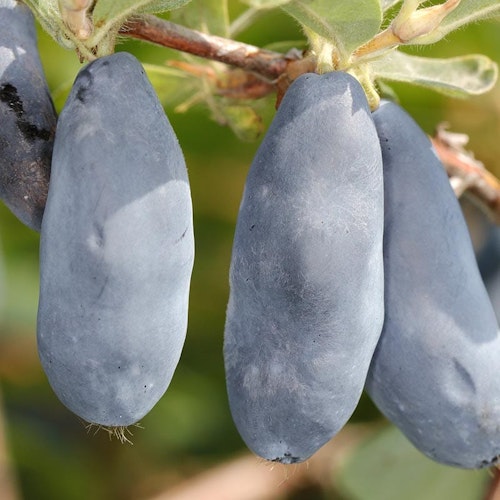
<point x="117" y="248"/>
<point x="434" y="371"/>
<point x="306" y="280"/>
<point x="27" y="117"/>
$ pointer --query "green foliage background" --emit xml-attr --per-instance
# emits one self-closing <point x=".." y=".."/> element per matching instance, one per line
<point x="190" y="430"/>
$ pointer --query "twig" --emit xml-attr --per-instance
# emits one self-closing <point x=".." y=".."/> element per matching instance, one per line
<point x="150" y="28"/>
<point x="278" y="70"/>
<point x="477" y="182"/>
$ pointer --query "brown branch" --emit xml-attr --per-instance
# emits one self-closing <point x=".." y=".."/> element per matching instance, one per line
<point x="473" y="179"/>
<point x="150" y="28"/>
<point x="279" y="70"/>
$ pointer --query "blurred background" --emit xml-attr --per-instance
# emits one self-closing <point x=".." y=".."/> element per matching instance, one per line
<point x="188" y="447"/>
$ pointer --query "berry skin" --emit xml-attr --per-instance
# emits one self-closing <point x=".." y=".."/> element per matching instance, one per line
<point x="117" y="248"/>
<point x="306" y="302"/>
<point x="434" y="370"/>
<point x="27" y="116"/>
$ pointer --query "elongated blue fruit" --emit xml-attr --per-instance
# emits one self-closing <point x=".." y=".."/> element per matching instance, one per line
<point x="489" y="266"/>
<point x="435" y="370"/>
<point x="306" y="301"/>
<point x="27" y="117"/>
<point x="116" y="249"/>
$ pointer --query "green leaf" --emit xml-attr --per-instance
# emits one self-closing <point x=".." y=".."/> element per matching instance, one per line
<point x="455" y="77"/>
<point x="249" y="16"/>
<point x="346" y="24"/>
<point x="208" y="16"/>
<point x="155" y="6"/>
<point x="109" y="15"/>
<point x="285" y="46"/>
<point x="172" y="85"/>
<point x="47" y="14"/>
<point x="244" y="121"/>
<point x="468" y="11"/>
<point x="387" y="4"/>
<point x="107" y="18"/>
<point x="265" y="4"/>
<point x="388" y="467"/>
<point x="183" y="90"/>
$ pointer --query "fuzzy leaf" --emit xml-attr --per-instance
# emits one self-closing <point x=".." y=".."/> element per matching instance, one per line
<point x="387" y="4"/>
<point x="243" y="121"/>
<point x="155" y="6"/>
<point x="172" y="85"/>
<point x="265" y="4"/>
<point x="208" y="16"/>
<point x="455" y="77"/>
<point x="389" y="467"/>
<point x="107" y="18"/>
<point x="285" y="46"/>
<point x="109" y="14"/>
<point x="47" y="14"/>
<point x="345" y="23"/>
<point x="468" y="11"/>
